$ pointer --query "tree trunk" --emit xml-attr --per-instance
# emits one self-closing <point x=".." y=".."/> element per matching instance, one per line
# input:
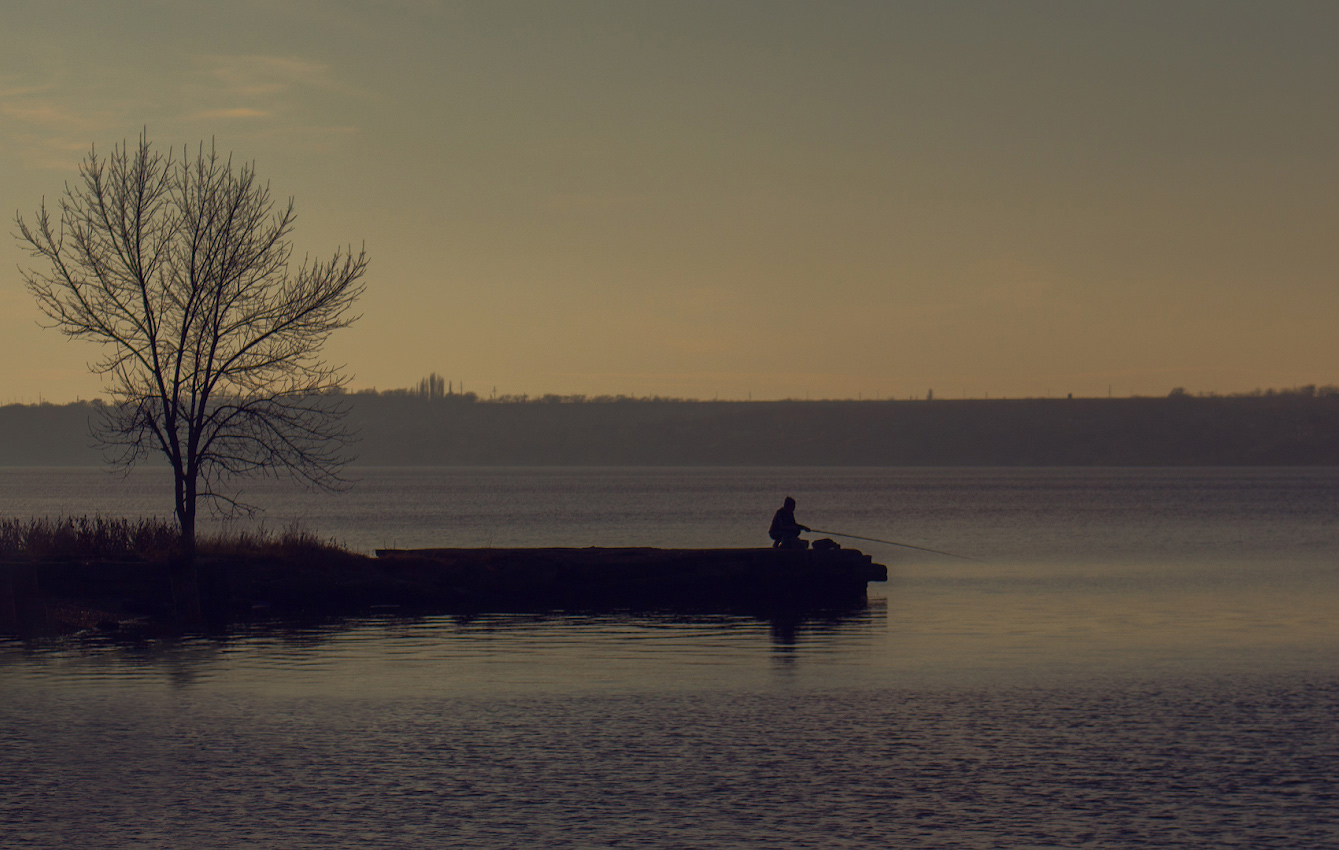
<point x="185" y="574"/>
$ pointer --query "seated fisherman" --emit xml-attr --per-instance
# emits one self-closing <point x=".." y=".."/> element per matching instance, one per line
<point x="785" y="531"/>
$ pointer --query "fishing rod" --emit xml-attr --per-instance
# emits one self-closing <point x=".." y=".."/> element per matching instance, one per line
<point x="890" y="543"/>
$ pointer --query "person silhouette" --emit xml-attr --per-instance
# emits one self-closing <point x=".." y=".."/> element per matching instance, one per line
<point x="785" y="531"/>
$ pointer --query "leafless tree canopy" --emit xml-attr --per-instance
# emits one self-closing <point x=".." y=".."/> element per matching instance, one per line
<point x="211" y="335"/>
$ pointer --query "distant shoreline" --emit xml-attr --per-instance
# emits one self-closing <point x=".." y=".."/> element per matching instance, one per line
<point x="1283" y="429"/>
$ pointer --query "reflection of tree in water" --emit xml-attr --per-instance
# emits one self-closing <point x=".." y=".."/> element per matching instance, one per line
<point x="185" y="661"/>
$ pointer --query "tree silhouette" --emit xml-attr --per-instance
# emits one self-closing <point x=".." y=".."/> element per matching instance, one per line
<point x="183" y="271"/>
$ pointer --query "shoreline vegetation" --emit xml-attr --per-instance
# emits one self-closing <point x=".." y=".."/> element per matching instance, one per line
<point x="434" y="425"/>
<point x="110" y="574"/>
<point x="100" y="538"/>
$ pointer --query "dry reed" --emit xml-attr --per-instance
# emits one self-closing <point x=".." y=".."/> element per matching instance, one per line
<point x="100" y="538"/>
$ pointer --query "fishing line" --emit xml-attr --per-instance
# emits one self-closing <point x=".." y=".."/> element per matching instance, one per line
<point x="891" y="543"/>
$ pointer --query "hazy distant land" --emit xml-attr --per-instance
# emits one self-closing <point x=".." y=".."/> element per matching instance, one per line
<point x="404" y="428"/>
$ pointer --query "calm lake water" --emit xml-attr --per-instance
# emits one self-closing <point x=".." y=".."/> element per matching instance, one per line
<point x="1138" y="658"/>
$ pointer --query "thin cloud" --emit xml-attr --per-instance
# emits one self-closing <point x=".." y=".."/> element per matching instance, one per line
<point x="45" y="113"/>
<point x="254" y="76"/>
<point x="23" y="91"/>
<point x="45" y="131"/>
<point x="242" y="112"/>
<point x="275" y="95"/>
<point x="36" y="105"/>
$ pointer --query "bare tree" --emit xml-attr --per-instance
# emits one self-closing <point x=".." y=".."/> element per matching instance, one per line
<point x="183" y="271"/>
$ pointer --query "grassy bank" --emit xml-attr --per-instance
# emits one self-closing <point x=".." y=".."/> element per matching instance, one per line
<point x="99" y="538"/>
<point x="72" y="574"/>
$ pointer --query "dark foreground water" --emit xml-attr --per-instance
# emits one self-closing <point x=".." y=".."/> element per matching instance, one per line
<point x="1140" y="658"/>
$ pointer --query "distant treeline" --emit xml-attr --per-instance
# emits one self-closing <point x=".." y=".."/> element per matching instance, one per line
<point x="437" y="388"/>
<point x="1297" y="427"/>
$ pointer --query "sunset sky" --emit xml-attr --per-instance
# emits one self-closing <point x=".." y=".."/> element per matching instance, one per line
<point x="739" y="199"/>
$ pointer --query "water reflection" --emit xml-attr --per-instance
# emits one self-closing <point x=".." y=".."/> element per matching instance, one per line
<point x="463" y="652"/>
